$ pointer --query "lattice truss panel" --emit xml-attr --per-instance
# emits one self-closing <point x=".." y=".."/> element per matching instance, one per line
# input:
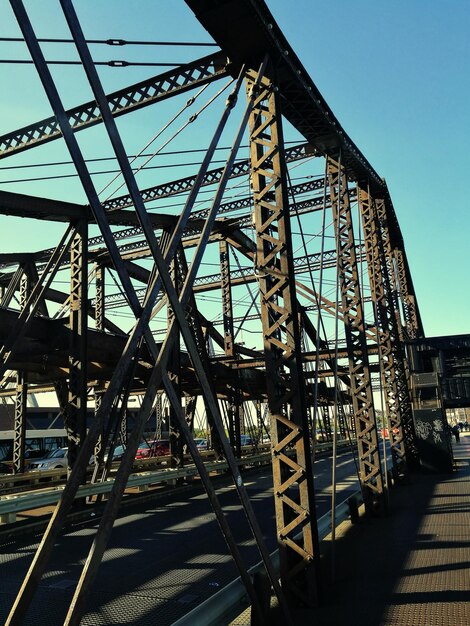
<point x="289" y="425"/>
<point x="353" y="315"/>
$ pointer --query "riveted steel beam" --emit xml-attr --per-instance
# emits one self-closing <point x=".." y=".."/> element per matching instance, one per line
<point x="21" y="397"/>
<point x="387" y="332"/>
<point x="76" y="411"/>
<point x="412" y="319"/>
<point x="370" y="471"/>
<point x="150" y="91"/>
<point x="399" y="357"/>
<point x="295" y="508"/>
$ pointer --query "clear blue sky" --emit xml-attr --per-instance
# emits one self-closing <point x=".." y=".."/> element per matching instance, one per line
<point x="396" y="74"/>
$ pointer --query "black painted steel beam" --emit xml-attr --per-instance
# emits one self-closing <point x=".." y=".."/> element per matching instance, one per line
<point x="142" y="94"/>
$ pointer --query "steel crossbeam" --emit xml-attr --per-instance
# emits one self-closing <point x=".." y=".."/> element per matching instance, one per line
<point x="158" y="88"/>
<point x="242" y="276"/>
<point x="212" y="177"/>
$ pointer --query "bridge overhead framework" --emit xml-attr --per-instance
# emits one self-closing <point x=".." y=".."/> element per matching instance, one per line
<point x="314" y="302"/>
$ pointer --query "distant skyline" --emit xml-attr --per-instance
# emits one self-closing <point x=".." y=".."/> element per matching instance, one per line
<point x="394" y="73"/>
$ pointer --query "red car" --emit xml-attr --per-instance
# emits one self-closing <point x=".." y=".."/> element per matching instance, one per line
<point x="157" y="447"/>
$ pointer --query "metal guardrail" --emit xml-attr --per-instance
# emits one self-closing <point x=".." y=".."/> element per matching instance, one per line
<point x="223" y="603"/>
<point x="11" y="504"/>
<point x="15" y="503"/>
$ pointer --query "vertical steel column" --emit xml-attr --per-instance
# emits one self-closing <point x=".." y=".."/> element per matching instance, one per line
<point x="100" y="304"/>
<point x="174" y="375"/>
<point x="123" y="425"/>
<point x="327" y="422"/>
<point x="190" y="412"/>
<point x="234" y="400"/>
<point x="158" y="416"/>
<point x="259" y="420"/>
<point x="76" y="413"/>
<point x="401" y="370"/>
<point x="19" y="440"/>
<point x="384" y="319"/>
<point x="227" y="304"/>
<point x="291" y="458"/>
<point x="370" y="470"/>
<point x="21" y="398"/>
<point x="413" y="324"/>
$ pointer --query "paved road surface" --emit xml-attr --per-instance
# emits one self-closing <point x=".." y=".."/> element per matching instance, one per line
<point x="165" y="557"/>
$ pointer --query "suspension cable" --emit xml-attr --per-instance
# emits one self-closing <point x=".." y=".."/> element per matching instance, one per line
<point x="112" y="63"/>
<point x="179" y="131"/>
<point x="115" y="42"/>
<point x="155" y="137"/>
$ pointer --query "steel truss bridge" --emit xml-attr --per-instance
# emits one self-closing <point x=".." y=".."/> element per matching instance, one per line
<point x="310" y="299"/>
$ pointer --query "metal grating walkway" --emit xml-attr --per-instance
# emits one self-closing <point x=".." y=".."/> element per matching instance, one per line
<point x="410" y="568"/>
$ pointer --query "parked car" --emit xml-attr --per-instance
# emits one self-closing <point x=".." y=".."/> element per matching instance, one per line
<point x="54" y="459"/>
<point x="157" y="447"/>
<point x="202" y="444"/>
<point x="246" y="440"/>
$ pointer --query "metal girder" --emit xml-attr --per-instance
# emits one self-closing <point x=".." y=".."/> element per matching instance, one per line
<point x="240" y="276"/>
<point x="399" y="357"/>
<point x="380" y="287"/>
<point x="413" y="325"/>
<point x="212" y="177"/>
<point x="76" y="411"/>
<point x="370" y="471"/>
<point x="387" y="332"/>
<point x="234" y="403"/>
<point x="155" y="89"/>
<point x="227" y="307"/>
<point x="174" y="373"/>
<point x="21" y="397"/>
<point x="295" y="509"/>
<point x="19" y="440"/>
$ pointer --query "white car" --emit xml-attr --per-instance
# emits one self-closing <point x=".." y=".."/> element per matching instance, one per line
<point x="55" y="459"/>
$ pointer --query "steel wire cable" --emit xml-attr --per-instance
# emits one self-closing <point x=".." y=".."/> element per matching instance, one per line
<point x="178" y="132"/>
<point x="114" y="41"/>
<point x="188" y="103"/>
<point x="115" y="63"/>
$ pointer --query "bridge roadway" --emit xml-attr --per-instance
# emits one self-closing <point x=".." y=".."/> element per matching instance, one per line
<point x="166" y="554"/>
